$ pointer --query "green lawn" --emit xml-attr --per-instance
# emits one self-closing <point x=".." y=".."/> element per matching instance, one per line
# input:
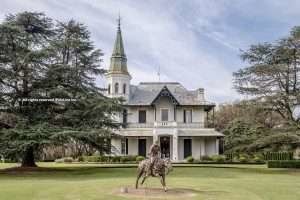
<point x="85" y="182"/>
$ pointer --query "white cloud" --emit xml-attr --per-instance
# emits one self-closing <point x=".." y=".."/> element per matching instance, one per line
<point x="190" y="41"/>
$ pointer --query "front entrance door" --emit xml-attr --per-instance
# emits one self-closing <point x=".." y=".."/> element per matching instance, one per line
<point x="187" y="148"/>
<point x="142" y="147"/>
<point x="165" y="146"/>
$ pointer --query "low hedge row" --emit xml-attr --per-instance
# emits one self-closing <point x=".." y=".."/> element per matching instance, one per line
<point x="278" y="156"/>
<point x="224" y="159"/>
<point x="284" y="164"/>
<point x="102" y="159"/>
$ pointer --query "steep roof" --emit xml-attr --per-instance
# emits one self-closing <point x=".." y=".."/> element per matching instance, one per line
<point x="146" y="92"/>
<point x="118" y="60"/>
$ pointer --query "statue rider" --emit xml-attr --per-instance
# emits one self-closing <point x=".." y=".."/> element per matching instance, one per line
<point x="154" y="156"/>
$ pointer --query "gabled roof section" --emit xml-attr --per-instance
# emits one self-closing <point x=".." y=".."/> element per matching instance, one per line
<point x="165" y="92"/>
<point x="146" y="92"/>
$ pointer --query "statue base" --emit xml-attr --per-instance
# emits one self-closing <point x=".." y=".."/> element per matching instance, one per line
<point x="159" y="193"/>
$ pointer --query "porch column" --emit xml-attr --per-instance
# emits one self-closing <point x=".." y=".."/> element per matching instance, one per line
<point x="217" y="146"/>
<point x="175" y="146"/>
<point x="155" y="136"/>
<point x="202" y="147"/>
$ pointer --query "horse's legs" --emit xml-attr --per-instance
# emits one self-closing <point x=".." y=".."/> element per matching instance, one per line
<point x="138" y="178"/>
<point x="144" y="180"/>
<point x="163" y="182"/>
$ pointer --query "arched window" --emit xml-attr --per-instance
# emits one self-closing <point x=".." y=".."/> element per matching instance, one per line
<point x="108" y="89"/>
<point x="116" y="88"/>
<point x="124" y="88"/>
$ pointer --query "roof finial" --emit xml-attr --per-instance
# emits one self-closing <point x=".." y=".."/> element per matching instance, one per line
<point x="119" y="21"/>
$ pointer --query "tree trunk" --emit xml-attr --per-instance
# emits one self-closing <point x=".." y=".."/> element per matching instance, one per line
<point x="28" y="158"/>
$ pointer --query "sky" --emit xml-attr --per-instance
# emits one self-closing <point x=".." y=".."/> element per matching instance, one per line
<point x="195" y="42"/>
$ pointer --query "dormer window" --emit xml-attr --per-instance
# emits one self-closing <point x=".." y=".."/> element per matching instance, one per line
<point x="124" y="88"/>
<point x="116" y="88"/>
<point x="164" y="115"/>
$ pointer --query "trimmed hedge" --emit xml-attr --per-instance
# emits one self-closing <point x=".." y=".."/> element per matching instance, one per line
<point x="284" y="164"/>
<point x="64" y="160"/>
<point x="278" y="156"/>
<point x="190" y="159"/>
<point x="139" y="158"/>
<point x="218" y="158"/>
<point x="108" y="159"/>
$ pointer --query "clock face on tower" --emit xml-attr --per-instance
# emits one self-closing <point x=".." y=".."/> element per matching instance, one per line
<point x="296" y="112"/>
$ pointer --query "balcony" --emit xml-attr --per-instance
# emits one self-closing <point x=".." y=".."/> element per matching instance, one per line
<point x="166" y="124"/>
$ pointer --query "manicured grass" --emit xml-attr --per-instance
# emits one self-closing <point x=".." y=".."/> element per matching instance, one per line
<point x="89" y="181"/>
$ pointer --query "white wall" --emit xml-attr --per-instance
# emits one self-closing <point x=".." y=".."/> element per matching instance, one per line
<point x="196" y="147"/>
<point x="161" y="103"/>
<point x="120" y="79"/>
<point x="210" y="146"/>
<point x="198" y="114"/>
<point x="133" y="114"/>
<point x="200" y="146"/>
<point x="133" y="145"/>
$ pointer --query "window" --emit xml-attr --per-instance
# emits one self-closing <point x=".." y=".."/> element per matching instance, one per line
<point x="164" y="114"/>
<point x="187" y="148"/>
<point x="187" y="116"/>
<point x="142" y="116"/>
<point x="124" y="146"/>
<point x="124" y="88"/>
<point x="108" y="89"/>
<point x="124" y="116"/>
<point x="116" y="88"/>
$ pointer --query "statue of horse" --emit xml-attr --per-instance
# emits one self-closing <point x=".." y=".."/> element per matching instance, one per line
<point x="160" y="169"/>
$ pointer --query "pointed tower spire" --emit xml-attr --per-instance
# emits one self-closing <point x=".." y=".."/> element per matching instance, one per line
<point x="118" y="62"/>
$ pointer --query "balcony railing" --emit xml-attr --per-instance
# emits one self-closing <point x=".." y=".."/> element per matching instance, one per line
<point x="139" y="125"/>
<point x="165" y="124"/>
<point x="171" y="124"/>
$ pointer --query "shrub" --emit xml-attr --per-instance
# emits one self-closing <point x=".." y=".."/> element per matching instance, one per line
<point x="124" y="159"/>
<point x="64" y="160"/>
<point x="68" y="159"/>
<point x="190" y="159"/>
<point x="60" y="160"/>
<point x="243" y="159"/>
<point x="258" y="158"/>
<point x="229" y="156"/>
<point x="284" y="164"/>
<point x="80" y="159"/>
<point x="206" y="158"/>
<point x="9" y="161"/>
<point x="103" y="159"/>
<point x="116" y="159"/>
<point x="218" y="158"/>
<point x="139" y="158"/>
<point x="131" y="158"/>
<point x="92" y="158"/>
<point x="108" y="159"/>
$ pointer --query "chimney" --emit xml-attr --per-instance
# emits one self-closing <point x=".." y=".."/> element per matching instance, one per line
<point x="200" y="94"/>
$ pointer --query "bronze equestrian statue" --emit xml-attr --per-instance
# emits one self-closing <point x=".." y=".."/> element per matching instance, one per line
<point x="155" y="167"/>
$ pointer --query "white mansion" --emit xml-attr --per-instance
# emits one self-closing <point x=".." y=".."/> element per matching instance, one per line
<point x="163" y="111"/>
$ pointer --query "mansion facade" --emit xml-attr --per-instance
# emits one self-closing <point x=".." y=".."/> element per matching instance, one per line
<point x="159" y="111"/>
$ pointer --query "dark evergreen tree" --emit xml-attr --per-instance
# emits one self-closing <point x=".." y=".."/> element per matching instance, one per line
<point x="42" y="60"/>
